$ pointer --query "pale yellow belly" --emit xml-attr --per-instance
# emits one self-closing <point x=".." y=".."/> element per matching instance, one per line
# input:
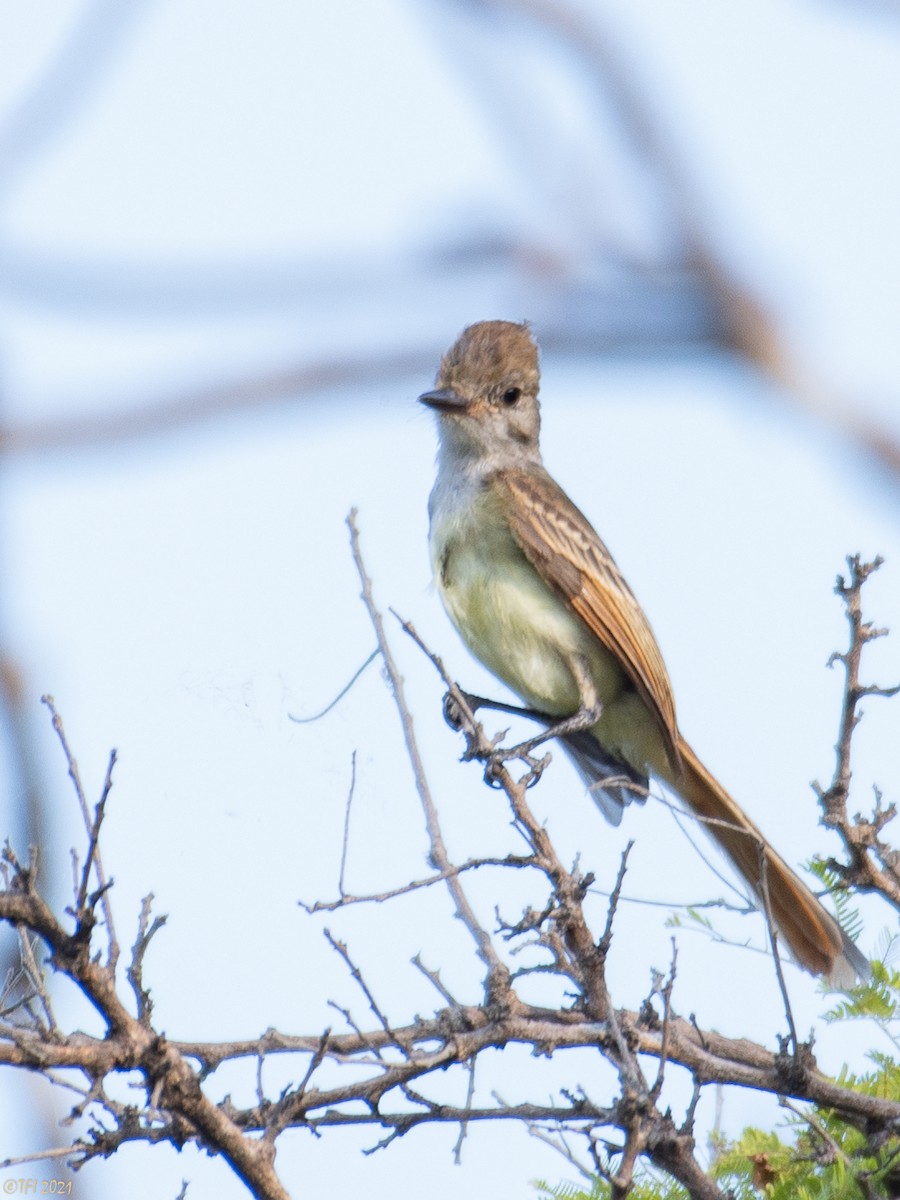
<point x="521" y="630"/>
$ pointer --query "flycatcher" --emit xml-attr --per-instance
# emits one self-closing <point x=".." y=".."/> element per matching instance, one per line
<point x="536" y="596"/>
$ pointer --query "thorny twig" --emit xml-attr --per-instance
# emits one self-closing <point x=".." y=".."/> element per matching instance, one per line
<point x="666" y="994"/>
<point x="345" y="900"/>
<point x="135" y="973"/>
<point x="614" y="898"/>
<point x="776" y="956"/>
<point x="873" y="864"/>
<point x="342" y="950"/>
<point x="92" y="827"/>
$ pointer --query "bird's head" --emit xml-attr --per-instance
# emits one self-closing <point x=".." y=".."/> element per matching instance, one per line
<point x="486" y="393"/>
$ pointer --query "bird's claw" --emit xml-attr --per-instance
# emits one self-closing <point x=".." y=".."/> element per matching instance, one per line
<point x="536" y="769"/>
<point x="453" y="713"/>
<point x="453" y="710"/>
<point x="493" y="770"/>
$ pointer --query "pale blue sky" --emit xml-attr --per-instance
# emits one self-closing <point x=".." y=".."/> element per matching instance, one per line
<point x="182" y="596"/>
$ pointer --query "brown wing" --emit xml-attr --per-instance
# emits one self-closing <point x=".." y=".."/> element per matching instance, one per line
<point x="561" y="544"/>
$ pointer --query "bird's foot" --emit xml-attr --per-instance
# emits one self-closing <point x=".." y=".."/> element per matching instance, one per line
<point x="496" y="765"/>
<point x="585" y="718"/>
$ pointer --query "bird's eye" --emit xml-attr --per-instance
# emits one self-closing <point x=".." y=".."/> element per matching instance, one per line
<point x="511" y="396"/>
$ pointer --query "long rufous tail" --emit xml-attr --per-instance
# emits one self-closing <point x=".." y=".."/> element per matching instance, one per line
<point x="815" y="938"/>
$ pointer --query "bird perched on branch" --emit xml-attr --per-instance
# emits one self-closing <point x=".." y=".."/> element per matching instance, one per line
<point x="536" y="595"/>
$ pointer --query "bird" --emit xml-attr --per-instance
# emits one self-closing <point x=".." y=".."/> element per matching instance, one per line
<point x="538" y="598"/>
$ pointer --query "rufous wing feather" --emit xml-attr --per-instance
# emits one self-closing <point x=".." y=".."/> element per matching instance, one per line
<point x="563" y="547"/>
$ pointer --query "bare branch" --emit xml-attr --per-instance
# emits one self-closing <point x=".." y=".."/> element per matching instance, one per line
<point x="92" y="828"/>
<point x="473" y="864"/>
<point x="776" y="957"/>
<point x="346" y="839"/>
<point x="615" y="896"/>
<point x="339" y="697"/>
<point x="363" y="986"/>
<point x="873" y="864"/>
<point x="497" y="974"/>
<point x="146" y="930"/>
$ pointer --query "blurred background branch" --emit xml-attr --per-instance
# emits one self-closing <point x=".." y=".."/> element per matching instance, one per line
<point x="594" y="283"/>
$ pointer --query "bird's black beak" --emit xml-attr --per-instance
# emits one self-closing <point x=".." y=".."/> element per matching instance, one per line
<point x="444" y="400"/>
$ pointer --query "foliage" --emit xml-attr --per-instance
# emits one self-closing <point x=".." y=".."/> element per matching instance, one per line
<point x="648" y="1186"/>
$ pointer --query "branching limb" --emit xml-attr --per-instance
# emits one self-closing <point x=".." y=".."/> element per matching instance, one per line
<point x="565" y="928"/>
<point x="370" y="1068"/>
